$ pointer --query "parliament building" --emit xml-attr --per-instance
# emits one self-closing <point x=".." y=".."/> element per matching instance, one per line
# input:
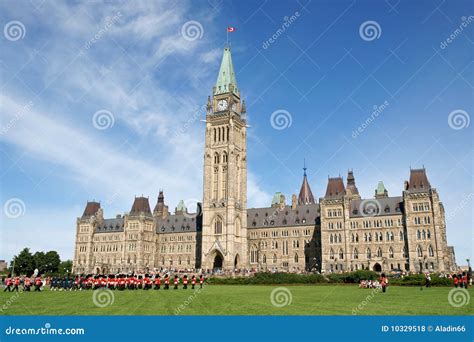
<point x="340" y="232"/>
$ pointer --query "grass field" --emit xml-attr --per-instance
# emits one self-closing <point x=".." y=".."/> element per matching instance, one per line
<point x="239" y="300"/>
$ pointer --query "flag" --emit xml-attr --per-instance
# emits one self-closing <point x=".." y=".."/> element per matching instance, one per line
<point x="230" y="29"/>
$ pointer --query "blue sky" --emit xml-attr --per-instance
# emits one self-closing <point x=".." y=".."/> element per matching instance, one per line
<point x="147" y="68"/>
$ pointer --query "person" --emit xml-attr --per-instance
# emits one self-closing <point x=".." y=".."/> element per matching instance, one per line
<point x="176" y="282"/>
<point x="27" y="284"/>
<point x="428" y="279"/>
<point x="464" y="279"/>
<point x="185" y="282"/>
<point x="383" y="282"/>
<point x="167" y="282"/>
<point x="193" y="281"/>
<point x="8" y="284"/>
<point x="201" y="280"/>
<point x="16" y="284"/>
<point x="38" y="284"/>
<point x="157" y="282"/>
<point x="455" y="280"/>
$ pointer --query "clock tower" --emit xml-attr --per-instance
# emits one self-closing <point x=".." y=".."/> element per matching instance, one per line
<point x="224" y="227"/>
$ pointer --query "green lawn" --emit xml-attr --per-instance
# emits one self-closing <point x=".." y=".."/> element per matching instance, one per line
<point x="239" y="300"/>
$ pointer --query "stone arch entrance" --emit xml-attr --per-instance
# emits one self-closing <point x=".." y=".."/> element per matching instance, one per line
<point x="218" y="261"/>
<point x="377" y="268"/>
<point x="236" y="261"/>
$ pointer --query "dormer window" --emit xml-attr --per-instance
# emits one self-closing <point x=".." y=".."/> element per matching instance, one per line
<point x="387" y="209"/>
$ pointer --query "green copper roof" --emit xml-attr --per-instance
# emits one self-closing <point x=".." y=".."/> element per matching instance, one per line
<point x="226" y="76"/>
<point x="276" y="198"/>
<point x="181" y="206"/>
<point x="380" y="189"/>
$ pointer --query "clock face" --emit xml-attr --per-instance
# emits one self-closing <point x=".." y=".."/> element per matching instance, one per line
<point x="222" y="105"/>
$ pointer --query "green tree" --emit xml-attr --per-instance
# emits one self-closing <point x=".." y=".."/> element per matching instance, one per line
<point x="23" y="263"/>
<point x="65" y="267"/>
<point x="51" y="262"/>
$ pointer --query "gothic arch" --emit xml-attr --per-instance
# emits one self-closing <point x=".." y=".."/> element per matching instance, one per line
<point x="218" y="224"/>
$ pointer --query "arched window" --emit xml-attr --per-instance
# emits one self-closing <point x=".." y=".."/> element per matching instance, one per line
<point x="379" y="252"/>
<point x="331" y="254"/>
<point x="355" y="255"/>
<point x="340" y="238"/>
<point x="218" y="225"/>
<point x="428" y="234"/>
<point x="369" y="253"/>
<point x="331" y="239"/>
<point x="418" y="234"/>
<point x="341" y="254"/>
<point x="296" y="257"/>
<point x="264" y="259"/>
<point x="224" y="157"/>
<point x="401" y="235"/>
<point x="357" y="237"/>
<point x="390" y="252"/>
<point x="419" y="251"/>
<point x="430" y="251"/>
<point x="274" y="258"/>
<point x="216" y="158"/>
<point x="254" y="254"/>
<point x="423" y="234"/>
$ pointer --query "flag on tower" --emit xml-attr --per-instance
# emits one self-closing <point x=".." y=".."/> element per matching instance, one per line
<point x="230" y="29"/>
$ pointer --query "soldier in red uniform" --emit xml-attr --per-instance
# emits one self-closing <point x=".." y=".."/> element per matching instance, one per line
<point x="16" y="284"/>
<point x="38" y="283"/>
<point x="8" y="283"/>
<point x="176" y="282"/>
<point x="185" y="282"/>
<point x="455" y="280"/>
<point x="157" y="282"/>
<point x="201" y="280"/>
<point x="167" y="282"/>
<point x="27" y="284"/>
<point x="464" y="279"/>
<point x="193" y="281"/>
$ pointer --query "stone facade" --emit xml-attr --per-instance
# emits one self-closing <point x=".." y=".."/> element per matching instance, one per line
<point x="342" y="232"/>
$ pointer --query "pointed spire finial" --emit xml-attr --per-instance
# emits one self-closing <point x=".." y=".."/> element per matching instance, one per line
<point x="304" y="166"/>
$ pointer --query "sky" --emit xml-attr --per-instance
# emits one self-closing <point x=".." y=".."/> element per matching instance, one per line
<point x="104" y="101"/>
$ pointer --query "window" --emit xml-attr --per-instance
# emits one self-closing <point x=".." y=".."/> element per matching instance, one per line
<point x="218" y="225"/>
<point x="369" y="254"/>
<point x="390" y="252"/>
<point x="355" y="255"/>
<point x="253" y="254"/>
<point x="341" y="254"/>
<point x="296" y="257"/>
<point x="379" y="252"/>
<point x="419" y="251"/>
<point x="430" y="251"/>
<point x="331" y="254"/>
<point x="274" y="258"/>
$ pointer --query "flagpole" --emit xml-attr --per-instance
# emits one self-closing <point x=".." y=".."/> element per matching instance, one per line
<point x="227" y="32"/>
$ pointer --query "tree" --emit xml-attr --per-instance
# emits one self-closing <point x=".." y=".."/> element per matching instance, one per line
<point x="51" y="262"/>
<point x="23" y="263"/>
<point x="65" y="268"/>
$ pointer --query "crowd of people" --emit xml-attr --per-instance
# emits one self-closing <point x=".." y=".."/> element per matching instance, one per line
<point x="462" y="280"/>
<point x="112" y="282"/>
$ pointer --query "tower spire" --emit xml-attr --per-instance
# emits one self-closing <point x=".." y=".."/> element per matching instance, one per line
<point x="226" y="81"/>
<point x="306" y="195"/>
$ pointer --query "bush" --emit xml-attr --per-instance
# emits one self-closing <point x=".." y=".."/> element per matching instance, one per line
<point x="419" y="280"/>
<point x="353" y="277"/>
<point x="271" y="278"/>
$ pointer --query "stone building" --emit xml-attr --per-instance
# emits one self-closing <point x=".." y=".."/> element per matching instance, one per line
<point x="340" y="233"/>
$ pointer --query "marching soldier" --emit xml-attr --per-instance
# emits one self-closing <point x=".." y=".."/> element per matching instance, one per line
<point x="8" y="283"/>
<point x="16" y="283"/>
<point x="176" y="282"/>
<point x="201" y="280"/>
<point x="193" y="281"/>
<point x="157" y="282"/>
<point x="27" y="284"/>
<point x="167" y="282"/>
<point x="38" y="284"/>
<point x="185" y="282"/>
